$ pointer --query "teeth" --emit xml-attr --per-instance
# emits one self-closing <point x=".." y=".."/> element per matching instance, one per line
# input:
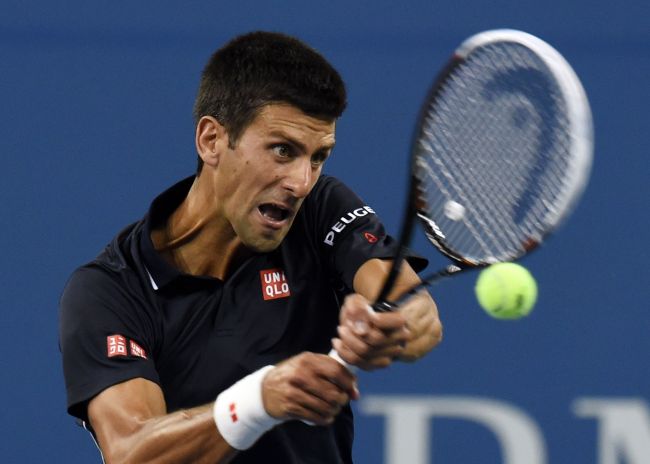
<point x="273" y="212"/>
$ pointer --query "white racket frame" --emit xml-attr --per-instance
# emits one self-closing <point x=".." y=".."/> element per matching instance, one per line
<point x="578" y="110"/>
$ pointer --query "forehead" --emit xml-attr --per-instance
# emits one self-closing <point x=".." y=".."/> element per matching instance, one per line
<point x="288" y="120"/>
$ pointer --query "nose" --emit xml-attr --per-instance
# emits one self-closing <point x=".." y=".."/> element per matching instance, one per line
<point x="299" y="178"/>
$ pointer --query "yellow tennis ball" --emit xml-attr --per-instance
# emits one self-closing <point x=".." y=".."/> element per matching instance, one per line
<point x="506" y="291"/>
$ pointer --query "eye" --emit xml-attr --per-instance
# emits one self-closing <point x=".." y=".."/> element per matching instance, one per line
<point x="319" y="158"/>
<point x="282" y="150"/>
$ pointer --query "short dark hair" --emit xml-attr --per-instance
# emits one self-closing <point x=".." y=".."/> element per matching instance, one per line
<point x="259" y="68"/>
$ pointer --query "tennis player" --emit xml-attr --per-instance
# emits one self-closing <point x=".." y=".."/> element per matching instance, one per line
<point x="200" y="333"/>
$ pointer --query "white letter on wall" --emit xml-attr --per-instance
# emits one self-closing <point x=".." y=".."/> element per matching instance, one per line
<point x="407" y="426"/>
<point x="624" y="428"/>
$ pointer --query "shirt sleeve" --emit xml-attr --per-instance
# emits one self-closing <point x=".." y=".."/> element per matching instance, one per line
<point x="349" y="232"/>
<point x="104" y="338"/>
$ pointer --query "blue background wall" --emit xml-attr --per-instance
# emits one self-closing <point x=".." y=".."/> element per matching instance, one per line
<point x="95" y="100"/>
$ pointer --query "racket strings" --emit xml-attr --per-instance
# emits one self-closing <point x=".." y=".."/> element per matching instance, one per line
<point x="494" y="143"/>
<point x="491" y="236"/>
<point x="443" y="186"/>
<point x="481" y="239"/>
<point x="475" y="200"/>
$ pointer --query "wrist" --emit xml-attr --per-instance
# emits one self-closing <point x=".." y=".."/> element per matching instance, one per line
<point x="240" y="414"/>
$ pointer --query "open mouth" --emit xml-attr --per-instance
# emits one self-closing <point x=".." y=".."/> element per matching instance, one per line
<point x="273" y="212"/>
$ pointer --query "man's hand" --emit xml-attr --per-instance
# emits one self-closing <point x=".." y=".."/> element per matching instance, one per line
<point x="311" y="387"/>
<point x="373" y="340"/>
<point x="422" y="319"/>
<point x="368" y="339"/>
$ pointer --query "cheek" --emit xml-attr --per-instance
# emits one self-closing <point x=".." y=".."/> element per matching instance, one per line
<point x="248" y="179"/>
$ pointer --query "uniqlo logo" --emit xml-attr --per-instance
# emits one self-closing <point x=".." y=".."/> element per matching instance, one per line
<point x="116" y="345"/>
<point x="137" y="350"/>
<point x="274" y="284"/>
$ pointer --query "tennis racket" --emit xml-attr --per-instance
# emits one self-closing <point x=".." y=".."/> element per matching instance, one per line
<point x="501" y="154"/>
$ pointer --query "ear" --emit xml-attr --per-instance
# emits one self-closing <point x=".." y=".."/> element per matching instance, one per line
<point x="211" y="139"/>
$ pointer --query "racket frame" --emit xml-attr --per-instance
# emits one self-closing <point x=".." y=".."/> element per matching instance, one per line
<point x="580" y="128"/>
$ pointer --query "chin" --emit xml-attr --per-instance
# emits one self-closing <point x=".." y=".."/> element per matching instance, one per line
<point x="262" y="240"/>
<point x="264" y="245"/>
<point x="263" y="248"/>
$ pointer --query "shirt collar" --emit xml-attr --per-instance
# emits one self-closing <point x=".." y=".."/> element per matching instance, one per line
<point x="160" y="271"/>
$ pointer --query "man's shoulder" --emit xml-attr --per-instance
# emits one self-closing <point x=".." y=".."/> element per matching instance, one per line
<point x="326" y="183"/>
<point x="115" y="263"/>
<point x="328" y="192"/>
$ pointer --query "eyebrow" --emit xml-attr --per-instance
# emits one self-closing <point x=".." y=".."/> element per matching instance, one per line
<point x="299" y="145"/>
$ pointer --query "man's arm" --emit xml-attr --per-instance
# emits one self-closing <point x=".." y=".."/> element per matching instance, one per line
<point x="373" y="340"/>
<point x="131" y="422"/>
<point x="132" y="425"/>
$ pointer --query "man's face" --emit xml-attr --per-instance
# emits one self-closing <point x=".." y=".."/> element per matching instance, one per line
<point x="263" y="181"/>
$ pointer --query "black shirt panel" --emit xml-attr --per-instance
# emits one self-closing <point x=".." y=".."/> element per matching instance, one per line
<point x="100" y="302"/>
<point x="348" y="232"/>
<point x="196" y="335"/>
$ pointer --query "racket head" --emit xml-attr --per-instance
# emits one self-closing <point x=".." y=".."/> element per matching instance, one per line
<point x="502" y="150"/>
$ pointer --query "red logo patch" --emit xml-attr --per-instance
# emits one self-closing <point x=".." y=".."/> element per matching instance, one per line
<point x="233" y="413"/>
<point x="370" y="237"/>
<point x="116" y="345"/>
<point x="274" y="284"/>
<point x="137" y="350"/>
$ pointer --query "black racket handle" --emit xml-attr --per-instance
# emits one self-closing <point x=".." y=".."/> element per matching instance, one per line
<point x="429" y="280"/>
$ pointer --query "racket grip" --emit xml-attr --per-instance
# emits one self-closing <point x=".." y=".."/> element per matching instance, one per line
<point x="388" y="306"/>
<point x="384" y="306"/>
<point x="334" y="355"/>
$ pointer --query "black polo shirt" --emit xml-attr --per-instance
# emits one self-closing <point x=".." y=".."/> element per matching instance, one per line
<point x="130" y="314"/>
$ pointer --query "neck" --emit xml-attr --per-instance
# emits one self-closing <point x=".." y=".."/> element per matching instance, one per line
<point x="196" y="240"/>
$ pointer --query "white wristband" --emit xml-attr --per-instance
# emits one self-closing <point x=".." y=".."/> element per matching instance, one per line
<point x="239" y="411"/>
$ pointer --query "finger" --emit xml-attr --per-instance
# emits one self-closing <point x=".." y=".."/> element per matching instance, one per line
<point x="421" y="325"/>
<point x="380" y="331"/>
<point x="327" y="369"/>
<point x="388" y="321"/>
<point x="306" y="406"/>
<point x="309" y="386"/>
<point x="426" y="341"/>
<point x="325" y="389"/>
<point x="382" y="345"/>
<point x="364" y="363"/>
<point x="356" y="312"/>
<point x="347" y="385"/>
<point x="418" y="306"/>
<point x="422" y="317"/>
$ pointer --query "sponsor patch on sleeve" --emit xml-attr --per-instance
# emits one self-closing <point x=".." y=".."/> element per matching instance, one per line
<point x="116" y="345"/>
<point x="137" y="350"/>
